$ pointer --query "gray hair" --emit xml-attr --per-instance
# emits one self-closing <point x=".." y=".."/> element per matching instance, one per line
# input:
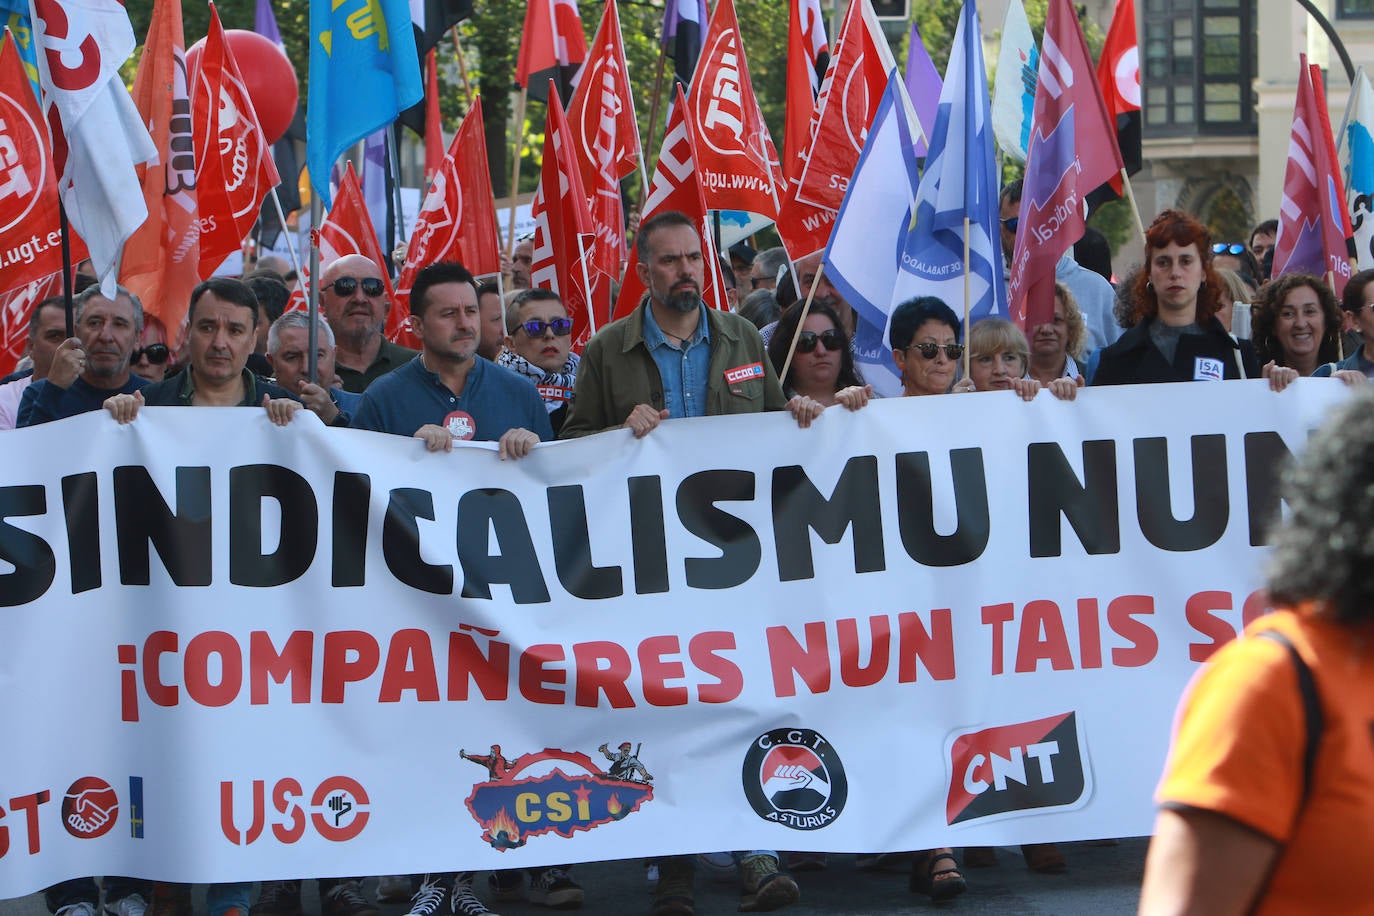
<point x="770" y="261"/>
<point x="86" y="295"/>
<point x="297" y="319"/>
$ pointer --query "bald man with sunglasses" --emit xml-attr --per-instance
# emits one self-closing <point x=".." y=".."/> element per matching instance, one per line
<point x="353" y="300"/>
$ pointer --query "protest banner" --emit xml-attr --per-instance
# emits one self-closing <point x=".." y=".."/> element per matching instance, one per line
<point x="960" y="620"/>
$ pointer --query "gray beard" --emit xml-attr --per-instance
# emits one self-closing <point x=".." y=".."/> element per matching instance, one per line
<point x="686" y="301"/>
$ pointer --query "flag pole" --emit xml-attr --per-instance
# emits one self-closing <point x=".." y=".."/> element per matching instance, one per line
<point x="586" y="282"/>
<point x="281" y="217"/>
<point x="1135" y="208"/>
<point x="515" y="177"/>
<point x="396" y="182"/>
<point x="653" y="114"/>
<point x="1349" y="106"/>
<point x="968" y="294"/>
<point x="313" y="340"/>
<point x="462" y="66"/>
<point x="66" y="267"/>
<point x="806" y="310"/>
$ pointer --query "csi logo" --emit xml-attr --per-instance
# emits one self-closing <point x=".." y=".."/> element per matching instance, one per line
<point x="1011" y="770"/>
<point x="338" y="810"/>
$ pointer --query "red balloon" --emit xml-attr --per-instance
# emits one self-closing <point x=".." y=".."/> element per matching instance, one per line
<point x="267" y="75"/>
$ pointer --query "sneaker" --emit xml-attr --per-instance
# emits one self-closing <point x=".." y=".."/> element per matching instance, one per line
<point x="763" y="887"/>
<point x="132" y="905"/>
<point x="278" y="898"/>
<point x="554" y="889"/>
<point x="465" y="901"/>
<point x="429" y="899"/>
<point x="507" y="885"/>
<point x="674" y="894"/>
<point x="346" y="899"/>
<point x="170" y="900"/>
<point x="77" y="909"/>
<point x="393" y="889"/>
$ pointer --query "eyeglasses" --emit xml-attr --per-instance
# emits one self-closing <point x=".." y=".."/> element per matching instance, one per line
<point x="929" y="350"/>
<point x="562" y="327"/>
<point x="832" y="340"/>
<point x="344" y="286"/>
<point x="1011" y="222"/>
<point x="156" y="353"/>
<point x="1225" y="248"/>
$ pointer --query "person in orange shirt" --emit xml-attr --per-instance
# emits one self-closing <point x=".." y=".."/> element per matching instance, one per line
<point x="1267" y="799"/>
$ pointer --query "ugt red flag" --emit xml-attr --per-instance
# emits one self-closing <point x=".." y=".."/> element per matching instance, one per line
<point x="162" y="259"/>
<point x="1072" y="150"/>
<point x="676" y="187"/>
<point x="16" y="306"/>
<point x="853" y="85"/>
<point x="808" y="53"/>
<point x="605" y="136"/>
<point x="457" y="221"/>
<point x="562" y="230"/>
<point x="98" y="137"/>
<point x="737" y="164"/>
<point x="1312" y="227"/>
<point x="552" y="48"/>
<point x="234" y="165"/>
<point x="1118" y="76"/>
<point x="30" y="237"/>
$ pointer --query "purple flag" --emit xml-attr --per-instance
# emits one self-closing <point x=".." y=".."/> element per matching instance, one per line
<point x="684" y="24"/>
<point x="265" y="23"/>
<point x="923" y="86"/>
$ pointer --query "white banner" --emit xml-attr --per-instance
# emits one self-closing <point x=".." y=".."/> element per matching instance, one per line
<point x="230" y="651"/>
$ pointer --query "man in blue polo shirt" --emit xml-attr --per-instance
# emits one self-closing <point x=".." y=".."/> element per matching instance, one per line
<point x="447" y="392"/>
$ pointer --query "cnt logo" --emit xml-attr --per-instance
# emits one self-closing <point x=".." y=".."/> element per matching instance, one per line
<point x="1013" y="770"/>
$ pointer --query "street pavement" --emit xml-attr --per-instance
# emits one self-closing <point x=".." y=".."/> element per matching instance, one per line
<point x="1101" y="881"/>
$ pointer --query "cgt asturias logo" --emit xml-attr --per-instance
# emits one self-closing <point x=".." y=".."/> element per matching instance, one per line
<point x="793" y="777"/>
<point x="554" y="791"/>
<point x="1014" y="770"/>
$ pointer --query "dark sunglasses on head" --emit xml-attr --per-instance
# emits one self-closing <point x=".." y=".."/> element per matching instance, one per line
<point x="929" y="350"/>
<point x="832" y="340"/>
<point x="562" y="327"/>
<point x="1224" y="248"/>
<point x="155" y="353"/>
<point x="1011" y="223"/>
<point x="344" y="286"/>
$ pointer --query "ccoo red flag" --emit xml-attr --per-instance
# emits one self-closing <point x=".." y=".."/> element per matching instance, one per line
<point x="234" y="165"/>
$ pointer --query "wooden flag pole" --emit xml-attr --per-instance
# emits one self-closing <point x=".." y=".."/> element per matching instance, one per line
<point x="462" y="66"/>
<point x="806" y="310"/>
<point x="653" y="120"/>
<point x="313" y="338"/>
<point x="1135" y="208"/>
<point x="968" y="295"/>
<point x="291" y="249"/>
<point x="515" y="176"/>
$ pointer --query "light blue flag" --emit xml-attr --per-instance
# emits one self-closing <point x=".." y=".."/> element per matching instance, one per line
<point x="1359" y="167"/>
<point x="960" y="180"/>
<point x="1013" y="98"/>
<point x="923" y="86"/>
<point x="14" y="15"/>
<point x="862" y="258"/>
<point x="364" y="70"/>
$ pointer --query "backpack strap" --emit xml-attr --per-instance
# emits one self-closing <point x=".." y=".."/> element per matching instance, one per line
<point x="1311" y="706"/>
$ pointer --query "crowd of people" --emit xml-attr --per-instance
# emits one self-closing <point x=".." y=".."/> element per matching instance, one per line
<point x="500" y="369"/>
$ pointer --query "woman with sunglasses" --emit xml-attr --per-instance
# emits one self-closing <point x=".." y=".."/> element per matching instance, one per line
<point x="539" y="347"/>
<point x="151" y="357"/>
<point x="924" y="336"/>
<point x="823" y="365"/>
<point x="1297" y="323"/>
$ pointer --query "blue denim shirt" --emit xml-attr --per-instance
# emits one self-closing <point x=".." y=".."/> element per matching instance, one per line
<point x="684" y="369"/>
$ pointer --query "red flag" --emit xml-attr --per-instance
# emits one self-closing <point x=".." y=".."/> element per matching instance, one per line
<point x="1072" y="150"/>
<point x="737" y="163"/>
<point x="457" y="221"/>
<point x="552" y="47"/>
<point x="676" y="186"/>
<point x="853" y="85"/>
<point x="16" y="306"/>
<point x="801" y="90"/>
<point x="30" y="237"/>
<point x="434" y="123"/>
<point x="563" y="229"/>
<point x="162" y="259"/>
<point x="1118" y="76"/>
<point x="1313" y="225"/>
<point x="605" y="137"/>
<point x="234" y="165"/>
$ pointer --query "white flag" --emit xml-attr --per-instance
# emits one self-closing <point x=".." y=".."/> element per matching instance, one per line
<point x="1013" y="97"/>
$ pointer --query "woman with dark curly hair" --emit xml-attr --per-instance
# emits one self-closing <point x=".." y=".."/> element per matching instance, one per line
<point x="1176" y="336"/>
<point x="1297" y="323"/>
<point x="823" y="365"/>
<point x="1267" y="800"/>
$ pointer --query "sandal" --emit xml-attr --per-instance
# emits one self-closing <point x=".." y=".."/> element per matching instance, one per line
<point x="937" y="883"/>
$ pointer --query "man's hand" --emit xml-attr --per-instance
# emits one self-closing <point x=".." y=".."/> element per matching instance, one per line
<point x="804" y="410"/>
<point x="855" y="397"/>
<point x="68" y="362"/>
<point x="1280" y="377"/>
<point x="124" y="407"/>
<point x="436" y="438"/>
<point x="280" y="410"/>
<point x="516" y="443"/>
<point x="318" y="400"/>
<point x="643" y="419"/>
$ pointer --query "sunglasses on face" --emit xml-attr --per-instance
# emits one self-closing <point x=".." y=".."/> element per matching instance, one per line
<point x="155" y="353"/>
<point x="832" y="340"/>
<point x="929" y="350"/>
<point x="562" y="327"/>
<point x="1011" y="222"/>
<point x="344" y="286"/>
<point x="1224" y="248"/>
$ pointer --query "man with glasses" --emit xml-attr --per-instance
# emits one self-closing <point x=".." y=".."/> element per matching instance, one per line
<point x="447" y="391"/>
<point x="763" y="273"/>
<point x="539" y="348"/>
<point x="353" y="300"/>
<point x="1094" y="295"/>
<point x="93" y="366"/>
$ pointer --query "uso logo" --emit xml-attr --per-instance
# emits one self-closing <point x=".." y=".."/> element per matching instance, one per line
<point x="793" y="777"/>
<point x="1010" y="770"/>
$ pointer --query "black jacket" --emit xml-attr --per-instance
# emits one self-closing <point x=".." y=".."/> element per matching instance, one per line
<point x="1134" y="359"/>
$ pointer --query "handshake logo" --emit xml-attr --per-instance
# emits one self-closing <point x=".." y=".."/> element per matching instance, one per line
<point x="90" y="808"/>
<point x="793" y="777"/>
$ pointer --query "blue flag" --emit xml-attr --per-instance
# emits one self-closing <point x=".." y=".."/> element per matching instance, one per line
<point x="14" y="15"/>
<point x="364" y="70"/>
<point x="960" y="181"/>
